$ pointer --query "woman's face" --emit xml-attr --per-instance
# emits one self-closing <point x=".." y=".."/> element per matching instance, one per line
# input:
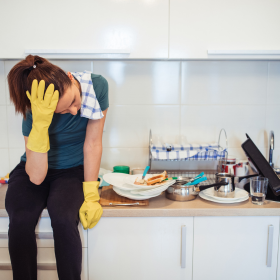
<point x="70" y="101"/>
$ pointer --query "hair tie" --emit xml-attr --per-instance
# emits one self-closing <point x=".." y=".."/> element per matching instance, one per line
<point x="32" y="67"/>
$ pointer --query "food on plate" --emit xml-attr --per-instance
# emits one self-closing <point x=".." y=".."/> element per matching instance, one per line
<point x="152" y="180"/>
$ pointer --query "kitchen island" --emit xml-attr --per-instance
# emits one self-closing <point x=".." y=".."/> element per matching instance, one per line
<point x="193" y="240"/>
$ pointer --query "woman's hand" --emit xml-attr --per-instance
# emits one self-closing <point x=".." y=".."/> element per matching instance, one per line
<point x="91" y="211"/>
<point x="42" y="108"/>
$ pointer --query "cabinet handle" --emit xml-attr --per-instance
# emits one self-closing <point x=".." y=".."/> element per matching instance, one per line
<point x="39" y="235"/>
<point x="183" y="249"/>
<point x="269" y="246"/>
<point x="40" y="266"/>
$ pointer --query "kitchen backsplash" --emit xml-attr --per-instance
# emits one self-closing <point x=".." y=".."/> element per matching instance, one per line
<point x="179" y="100"/>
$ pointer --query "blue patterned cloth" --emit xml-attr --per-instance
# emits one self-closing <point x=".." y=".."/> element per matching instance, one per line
<point x="189" y="152"/>
<point x="90" y="107"/>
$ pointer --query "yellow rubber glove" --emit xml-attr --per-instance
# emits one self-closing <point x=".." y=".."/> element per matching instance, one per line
<point x="42" y="108"/>
<point x="91" y="211"/>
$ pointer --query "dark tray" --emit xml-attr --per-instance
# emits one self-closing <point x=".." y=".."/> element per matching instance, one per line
<point x="262" y="166"/>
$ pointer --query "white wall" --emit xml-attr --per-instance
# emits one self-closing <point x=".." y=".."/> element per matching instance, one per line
<point x="194" y="99"/>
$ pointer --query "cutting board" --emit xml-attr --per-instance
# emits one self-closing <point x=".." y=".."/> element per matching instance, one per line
<point x="109" y="196"/>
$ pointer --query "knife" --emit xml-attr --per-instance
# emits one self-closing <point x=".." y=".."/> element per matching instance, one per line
<point x="145" y="172"/>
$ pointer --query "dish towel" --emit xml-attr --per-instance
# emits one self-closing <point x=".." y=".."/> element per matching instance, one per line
<point x="90" y="107"/>
<point x="189" y="152"/>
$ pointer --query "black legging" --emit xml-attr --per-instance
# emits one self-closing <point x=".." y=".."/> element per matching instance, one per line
<point x="62" y="193"/>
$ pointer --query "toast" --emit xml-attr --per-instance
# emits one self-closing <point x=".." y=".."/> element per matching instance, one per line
<point x="157" y="179"/>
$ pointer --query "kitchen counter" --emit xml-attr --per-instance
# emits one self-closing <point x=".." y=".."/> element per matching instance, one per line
<point x="162" y="207"/>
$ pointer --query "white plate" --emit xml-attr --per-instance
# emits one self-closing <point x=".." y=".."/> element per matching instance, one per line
<point x="154" y="191"/>
<point x="116" y="179"/>
<point x="202" y="195"/>
<point x="131" y="179"/>
<point x="132" y="196"/>
<point x="239" y="194"/>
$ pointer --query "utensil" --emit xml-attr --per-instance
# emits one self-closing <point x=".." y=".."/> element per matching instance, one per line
<point x="123" y="204"/>
<point x="227" y="188"/>
<point x="225" y="184"/>
<point x="180" y="178"/>
<point x="196" y="181"/>
<point x="181" y="192"/>
<point x="145" y="172"/>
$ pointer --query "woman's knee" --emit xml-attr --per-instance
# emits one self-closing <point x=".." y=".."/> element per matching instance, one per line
<point x="22" y="222"/>
<point x="65" y="222"/>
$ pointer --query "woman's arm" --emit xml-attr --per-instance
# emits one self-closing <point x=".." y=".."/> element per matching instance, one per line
<point x="36" y="165"/>
<point x="93" y="148"/>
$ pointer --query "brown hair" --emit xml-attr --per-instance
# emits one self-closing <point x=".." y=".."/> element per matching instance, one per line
<point x="21" y="76"/>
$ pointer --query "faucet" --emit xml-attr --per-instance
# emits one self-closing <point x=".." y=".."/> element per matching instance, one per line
<point x="271" y="148"/>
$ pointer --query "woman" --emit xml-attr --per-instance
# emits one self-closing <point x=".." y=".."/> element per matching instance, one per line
<point x="62" y="129"/>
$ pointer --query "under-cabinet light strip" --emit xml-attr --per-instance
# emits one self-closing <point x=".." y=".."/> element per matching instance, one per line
<point x="77" y="51"/>
<point x="246" y="52"/>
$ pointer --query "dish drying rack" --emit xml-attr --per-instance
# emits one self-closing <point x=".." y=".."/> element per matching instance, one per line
<point x="210" y="174"/>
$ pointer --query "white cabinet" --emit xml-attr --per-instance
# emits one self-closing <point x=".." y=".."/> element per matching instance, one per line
<point x="197" y="26"/>
<point x="139" y="27"/>
<point x="234" y="248"/>
<point x="150" y="248"/>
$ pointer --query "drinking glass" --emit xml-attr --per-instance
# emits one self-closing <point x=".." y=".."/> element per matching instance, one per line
<point x="258" y="189"/>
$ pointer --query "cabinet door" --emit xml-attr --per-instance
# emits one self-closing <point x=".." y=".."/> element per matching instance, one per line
<point x="199" y="25"/>
<point x="139" y="27"/>
<point x="234" y="248"/>
<point x="138" y="248"/>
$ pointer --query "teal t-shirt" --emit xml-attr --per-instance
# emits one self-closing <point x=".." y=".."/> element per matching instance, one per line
<point x="67" y="132"/>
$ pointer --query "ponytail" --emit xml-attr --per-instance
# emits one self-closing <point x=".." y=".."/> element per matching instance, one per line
<point x="21" y="76"/>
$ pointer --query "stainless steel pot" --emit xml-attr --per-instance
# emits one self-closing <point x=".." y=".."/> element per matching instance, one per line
<point x="179" y="192"/>
<point x="227" y="187"/>
<point x="225" y="184"/>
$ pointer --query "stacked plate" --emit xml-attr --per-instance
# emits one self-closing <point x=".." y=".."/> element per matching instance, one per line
<point x="124" y="185"/>
<point x="240" y="195"/>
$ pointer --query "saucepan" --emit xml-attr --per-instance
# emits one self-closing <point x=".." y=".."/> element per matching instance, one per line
<point x="223" y="187"/>
<point x="185" y="188"/>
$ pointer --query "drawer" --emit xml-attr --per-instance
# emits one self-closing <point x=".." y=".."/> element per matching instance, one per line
<point x="43" y="233"/>
<point x="46" y="264"/>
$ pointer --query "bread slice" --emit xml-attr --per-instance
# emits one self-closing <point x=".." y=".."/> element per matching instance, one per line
<point x="157" y="179"/>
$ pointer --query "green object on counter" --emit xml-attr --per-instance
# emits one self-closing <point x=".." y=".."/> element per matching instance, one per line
<point x="121" y="169"/>
<point x="171" y="178"/>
